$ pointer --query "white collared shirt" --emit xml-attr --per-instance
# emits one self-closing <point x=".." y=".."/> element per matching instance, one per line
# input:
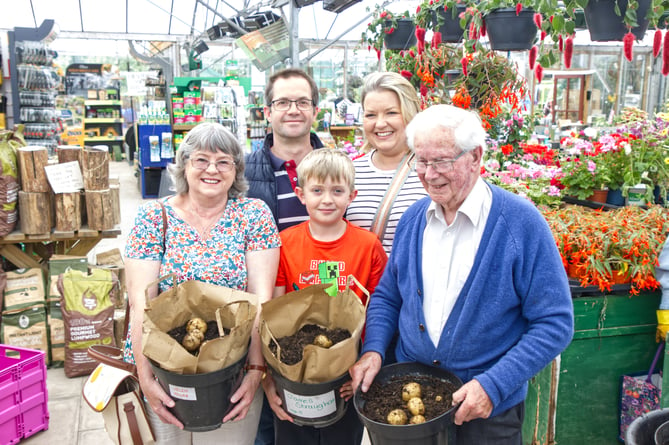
<point x="448" y="255"/>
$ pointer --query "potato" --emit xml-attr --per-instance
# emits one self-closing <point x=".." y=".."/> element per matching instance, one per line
<point x="190" y="342"/>
<point x="410" y="390"/>
<point x="416" y="406"/>
<point x="197" y="334"/>
<point x="438" y="399"/>
<point x="323" y="341"/>
<point x="415" y="420"/>
<point x="397" y="417"/>
<point x="196" y="323"/>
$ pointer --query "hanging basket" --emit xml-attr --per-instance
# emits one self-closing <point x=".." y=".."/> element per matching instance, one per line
<point x="403" y="37"/>
<point x="607" y="26"/>
<point x="510" y="32"/>
<point x="451" y="31"/>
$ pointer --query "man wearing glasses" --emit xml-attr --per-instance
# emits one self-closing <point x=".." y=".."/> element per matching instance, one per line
<point x="474" y="283"/>
<point x="291" y="99"/>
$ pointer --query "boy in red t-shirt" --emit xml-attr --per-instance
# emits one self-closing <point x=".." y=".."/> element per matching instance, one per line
<point x="326" y="248"/>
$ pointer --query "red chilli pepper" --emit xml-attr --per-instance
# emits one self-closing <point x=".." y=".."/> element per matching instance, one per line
<point x="628" y="43"/>
<point x="539" y="72"/>
<point x="657" y="42"/>
<point x="568" y="51"/>
<point x="519" y="6"/>
<point x="533" y="56"/>
<point x="665" y="55"/>
<point x="463" y="62"/>
<point x="420" y="34"/>
<point x="537" y="20"/>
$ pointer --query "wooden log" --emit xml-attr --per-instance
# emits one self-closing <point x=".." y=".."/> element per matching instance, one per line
<point x="69" y="153"/>
<point x="32" y="160"/>
<point x="95" y="169"/>
<point x="82" y="208"/>
<point x="34" y="212"/>
<point x="115" y="195"/>
<point x="68" y="214"/>
<point x="99" y="209"/>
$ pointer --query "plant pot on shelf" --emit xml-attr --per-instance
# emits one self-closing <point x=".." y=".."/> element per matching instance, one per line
<point x="509" y="31"/>
<point x="450" y="30"/>
<point x="605" y="25"/>
<point x="402" y="37"/>
<point x="598" y="196"/>
<point x="636" y="196"/>
<point x="615" y="197"/>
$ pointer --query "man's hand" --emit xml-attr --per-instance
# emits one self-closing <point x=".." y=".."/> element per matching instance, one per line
<point x="364" y="370"/>
<point x="475" y="402"/>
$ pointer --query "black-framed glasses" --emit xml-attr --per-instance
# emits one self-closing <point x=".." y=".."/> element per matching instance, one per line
<point x="223" y="166"/>
<point x="440" y="166"/>
<point x="284" y="104"/>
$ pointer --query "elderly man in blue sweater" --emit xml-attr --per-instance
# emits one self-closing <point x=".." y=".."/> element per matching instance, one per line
<point x="474" y="283"/>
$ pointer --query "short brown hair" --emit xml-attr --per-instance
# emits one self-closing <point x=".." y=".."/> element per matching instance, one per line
<point x="286" y="74"/>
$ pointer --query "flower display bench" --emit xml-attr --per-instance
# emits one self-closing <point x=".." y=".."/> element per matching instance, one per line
<point x="576" y="398"/>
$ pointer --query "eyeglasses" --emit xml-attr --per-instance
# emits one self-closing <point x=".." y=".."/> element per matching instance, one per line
<point x="441" y="166"/>
<point x="203" y="164"/>
<point x="284" y="104"/>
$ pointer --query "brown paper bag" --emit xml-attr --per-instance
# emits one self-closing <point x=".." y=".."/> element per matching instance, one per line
<point x="189" y="299"/>
<point x="285" y="315"/>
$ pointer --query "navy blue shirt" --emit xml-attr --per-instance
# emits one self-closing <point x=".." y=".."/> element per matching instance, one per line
<point x="291" y="210"/>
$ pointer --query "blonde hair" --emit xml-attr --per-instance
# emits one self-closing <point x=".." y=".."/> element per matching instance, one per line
<point x="326" y="163"/>
<point x="396" y="83"/>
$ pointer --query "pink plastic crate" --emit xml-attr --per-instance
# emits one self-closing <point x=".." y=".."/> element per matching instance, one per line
<point x="23" y="395"/>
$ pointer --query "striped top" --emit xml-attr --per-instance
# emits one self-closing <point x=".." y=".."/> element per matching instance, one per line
<point x="291" y="210"/>
<point x="372" y="184"/>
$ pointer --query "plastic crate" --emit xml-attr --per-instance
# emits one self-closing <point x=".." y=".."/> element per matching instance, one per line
<point x="23" y="395"/>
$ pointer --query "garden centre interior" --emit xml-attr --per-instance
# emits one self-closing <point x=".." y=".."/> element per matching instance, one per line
<point x="567" y="115"/>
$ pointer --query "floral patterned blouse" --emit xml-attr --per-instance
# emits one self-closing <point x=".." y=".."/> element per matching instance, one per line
<point x="246" y="225"/>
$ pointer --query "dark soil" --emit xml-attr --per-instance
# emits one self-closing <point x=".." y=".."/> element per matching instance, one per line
<point x="292" y="346"/>
<point x="179" y="333"/>
<point x="382" y="399"/>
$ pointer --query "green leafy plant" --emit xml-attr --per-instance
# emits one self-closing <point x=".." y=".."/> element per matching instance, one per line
<point x="383" y="22"/>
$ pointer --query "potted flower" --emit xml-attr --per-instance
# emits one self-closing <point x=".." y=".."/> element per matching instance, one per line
<point x="603" y="247"/>
<point x="446" y="17"/>
<point x="385" y="23"/>
<point x="584" y="169"/>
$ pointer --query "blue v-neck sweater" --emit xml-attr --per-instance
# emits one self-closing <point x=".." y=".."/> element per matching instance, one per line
<point x="512" y="317"/>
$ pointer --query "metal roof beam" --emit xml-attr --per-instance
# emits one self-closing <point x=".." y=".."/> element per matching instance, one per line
<point x="122" y="36"/>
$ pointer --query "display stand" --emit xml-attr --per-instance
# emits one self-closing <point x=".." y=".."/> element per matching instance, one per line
<point x="151" y="165"/>
<point x="103" y="124"/>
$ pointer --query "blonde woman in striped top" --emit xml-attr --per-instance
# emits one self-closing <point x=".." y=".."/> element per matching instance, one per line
<point x="389" y="102"/>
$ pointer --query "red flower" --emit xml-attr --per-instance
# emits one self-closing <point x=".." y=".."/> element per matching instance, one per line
<point x="507" y="149"/>
<point x="423" y="90"/>
<point x="383" y="14"/>
<point x="533" y="56"/>
<point x="543" y="34"/>
<point x="417" y="9"/>
<point x="378" y="54"/>
<point x="420" y="34"/>
<point x="568" y="51"/>
<point x="411" y="53"/>
<point x="436" y="39"/>
<point x="519" y="6"/>
<point x="463" y="62"/>
<point x="407" y="74"/>
<point x="537" y="20"/>
<point x="628" y="43"/>
<point x="420" y="46"/>
<point x="560" y="43"/>
<point x="665" y="55"/>
<point x="539" y="72"/>
<point x="657" y="42"/>
<point x="483" y="30"/>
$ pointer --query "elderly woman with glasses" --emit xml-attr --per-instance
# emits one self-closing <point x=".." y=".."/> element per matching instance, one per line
<point x="213" y="234"/>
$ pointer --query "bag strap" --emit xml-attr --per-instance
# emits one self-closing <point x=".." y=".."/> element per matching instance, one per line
<point x="129" y="410"/>
<point x="380" y="221"/>
<point x="660" y="348"/>
<point x="112" y="356"/>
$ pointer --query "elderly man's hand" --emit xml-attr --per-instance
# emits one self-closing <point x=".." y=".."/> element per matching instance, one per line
<point x="475" y="402"/>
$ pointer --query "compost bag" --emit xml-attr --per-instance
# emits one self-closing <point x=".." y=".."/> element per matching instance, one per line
<point x="174" y="307"/>
<point x="285" y="315"/>
<point x="9" y="184"/>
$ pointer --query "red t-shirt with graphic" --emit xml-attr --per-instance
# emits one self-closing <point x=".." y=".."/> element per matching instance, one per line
<point x="306" y="261"/>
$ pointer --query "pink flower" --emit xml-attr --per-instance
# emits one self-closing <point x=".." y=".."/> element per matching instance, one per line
<point x="592" y="166"/>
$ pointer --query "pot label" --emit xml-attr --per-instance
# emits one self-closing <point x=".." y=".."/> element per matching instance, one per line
<point x="310" y="407"/>
<point x="183" y="392"/>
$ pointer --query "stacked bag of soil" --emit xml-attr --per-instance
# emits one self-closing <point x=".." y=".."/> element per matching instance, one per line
<point x="10" y="141"/>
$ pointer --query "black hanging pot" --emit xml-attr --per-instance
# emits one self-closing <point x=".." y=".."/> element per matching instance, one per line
<point x="450" y="30"/>
<point x="509" y="31"/>
<point x="606" y="26"/>
<point x="402" y="37"/>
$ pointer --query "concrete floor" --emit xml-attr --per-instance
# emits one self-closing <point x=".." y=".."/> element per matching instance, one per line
<point x="72" y="421"/>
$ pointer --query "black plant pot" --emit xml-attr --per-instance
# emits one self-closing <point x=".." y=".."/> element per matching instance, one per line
<point x="404" y="35"/>
<point x="509" y="31"/>
<point x="450" y="30"/>
<point x="606" y="26"/>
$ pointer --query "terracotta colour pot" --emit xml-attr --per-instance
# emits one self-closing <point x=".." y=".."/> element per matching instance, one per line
<point x="438" y="431"/>
<point x="598" y="196"/>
